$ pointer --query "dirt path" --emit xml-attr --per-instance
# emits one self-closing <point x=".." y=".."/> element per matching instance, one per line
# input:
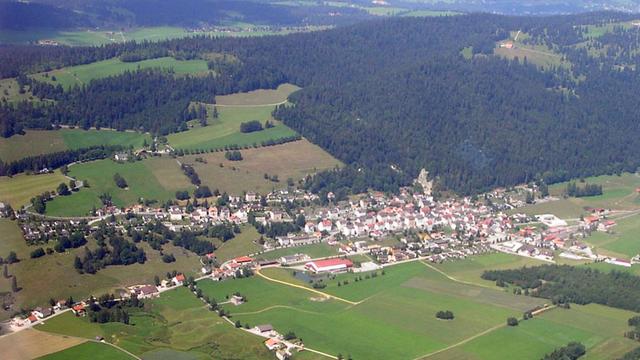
<point x="307" y="289"/>
<point x="276" y="307"/>
<point x="452" y="278"/>
<point x="462" y="342"/>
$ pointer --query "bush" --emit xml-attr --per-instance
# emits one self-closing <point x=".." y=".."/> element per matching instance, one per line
<point x="120" y="181"/>
<point x="37" y="253"/>
<point x="250" y="126"/>
<point x="512" y="321"/>
<point x="445" y="315"/>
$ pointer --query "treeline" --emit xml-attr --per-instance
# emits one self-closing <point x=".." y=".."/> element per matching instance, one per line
<point x="189" y="240"/>
<point x="572" y="351"/>
<point x="234" y="155"/>
<point x="57" y="159"/>
<point x="274" y="229"/>
<point x="574" y="190"/>
<point x="564" y="284"/>
<point x="225" y="231"/>
<point x="191" y="173"/>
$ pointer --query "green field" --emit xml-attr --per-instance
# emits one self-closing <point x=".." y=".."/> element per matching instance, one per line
<point x="90" y="37"/>
<point x="242" y="244"/>
<point x="89" y="350"/>
<point x="619" y="193"/>
<point x="622" y="242"/>
<point x="10" y="91"/>
<point x="53" y="276"/>
<point x="313" y="250"/>
<point x="177" y="325"/>
<point x="36" y="142"/>
<point x="12" y="240"/>
<point x="82" y="74"/>
<point x="258" y="97"/>
<point x="19" y="189"/>
<point x="156" y="178"/>
<point x="291" y="160"/>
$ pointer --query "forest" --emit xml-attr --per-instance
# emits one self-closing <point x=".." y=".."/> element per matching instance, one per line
<point x="567" y="284"/>
<point x="388" y="98"/>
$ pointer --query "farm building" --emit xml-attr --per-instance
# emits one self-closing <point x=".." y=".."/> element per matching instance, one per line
<point x="329" y="265"/>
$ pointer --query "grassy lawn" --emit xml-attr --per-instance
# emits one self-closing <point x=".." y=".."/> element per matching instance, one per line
<point x="53" y="276"/>
<point x="175" y="325"/>
<point x="242" y="244"/>
<point x="31" y="344"/>
<point x="19" y="189"/>
<point x="12" y="240"/>
<point x="34" y="142"/>
<point x="623" y="242"/>
<point x="291" y="160"/>
<point x="82" y="74"/>
<point x="258" y="97"/>
<point x="89" y="350"/>
<point x="154" y="178"/>
<point x="225" y="130"/>
<point x="313" y="250"/>
<point x="76" y="139"/>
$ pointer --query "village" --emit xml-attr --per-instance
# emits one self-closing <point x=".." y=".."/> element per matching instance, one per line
<point x="388" y="230"/>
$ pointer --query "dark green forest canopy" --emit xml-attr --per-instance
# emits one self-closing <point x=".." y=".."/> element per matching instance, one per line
<point x="390" y="97"/>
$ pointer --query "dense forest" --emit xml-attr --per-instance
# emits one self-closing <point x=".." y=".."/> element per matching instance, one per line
<point x="564" y="284"/>
<point x="390" y="97"/>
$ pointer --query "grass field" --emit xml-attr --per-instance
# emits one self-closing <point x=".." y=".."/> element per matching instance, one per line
<point x="19" y="189"/>
<point x="619" y="193"/>
<point x="258" y="97"/>
<point x="53" y="276"/>
<point x="242" y="244"/>
<point x="36" y="142"/>
<point x="154" y="178"/>
<point x="623" y="242"/>
<point x="12" y="240"/>
<point x="89" y="350"/>
<point x="90" y="37"/>
<point x="176" y="326"/>
<point x="313" y="250"/>
<point x="82" y="74"/>
<point x="291" y="160"/>
<point x="10" y="91"/>
<point x="233" y="110"/>
<point x="30" y="344"/>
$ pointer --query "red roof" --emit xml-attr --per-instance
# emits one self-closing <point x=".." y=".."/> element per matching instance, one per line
<point x="180" y="277"/>
<point x="78" y="307"/>
<point x="332" y="262"/>
<point x="243" y="259"/>
<point x="32" y="318"/>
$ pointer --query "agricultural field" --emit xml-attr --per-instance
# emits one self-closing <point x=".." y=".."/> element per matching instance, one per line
<point x="313" y="250"/>
<point x="622" y="242"/>
<point x="53" y="276"/>
<point x="19" y="189"/>
<point x="30" y="344"/>
<point x="156" y="178"/>
<point x="243" y="244"/>
<point x="176" y="325"/>
<point x="36" y="142"/>
<point x="89" y="350"/>
<point x="82" y="74"/>
<point x="12" y="239"/>
<point x="91" y="37"/>
<point x="290" y="160"/>
<point x="619" y="193"/>
<point x="258" y="97"/>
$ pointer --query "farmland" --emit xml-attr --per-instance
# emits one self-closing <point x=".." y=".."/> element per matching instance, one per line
<point x="156" y="178"/>
<point x="242" y="244"/>
<point x="88" y="350"/>
<point x="19" y="189"/>
<point x="177" y="325"/>
<point x="12" y="240"/>
<point x="82" y="74"/>
<point x="623" y="242"/>
<point x="31" y="344"/>
<point x="233" y="110"/>
<point x="36" y="142"/>
<point x="291" y="160"/>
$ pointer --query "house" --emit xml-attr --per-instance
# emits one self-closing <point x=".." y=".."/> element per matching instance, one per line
<point x="32" y="318"/>
<point x="78" y="310"/>
<point x="329" y="265"/>
<point x="178" y="279"/>
<point x="175" y="214"/>
<point x="272" y="343"/>
<point x="619" y="262"/>
<point x="292" y="259"/>
<point x="264" y="329"/>
<point x="60" y="305"/>
<point x="243" y="260"/>
<point x="122" y="156"/>
<point x="237" y="300"/>
<point x="250" y="197"/>
<point x="606" y="225"/>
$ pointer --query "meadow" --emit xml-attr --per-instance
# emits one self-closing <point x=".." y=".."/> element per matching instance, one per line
<point x="10" y="91"/>
<point x="83" y="74"/>
<point x="36" y="142"/>
<point x="19" y="189"/>
<point x="53" y="276"/>
<point x="242" y="244"/>
<point x="156" y="178"/>
<point x="313" y="250"/>
<point x="91" y="37"/>
<point x="258" y="97"/>
<point x="31" y="344"/>
<point x="89" y="350"/>
<point x="291" y="160"/>
<point x="12" y="239"/>
<point x="619" y="193"/>
<point x="176" y="325"/>
<point x="623" y="242"/>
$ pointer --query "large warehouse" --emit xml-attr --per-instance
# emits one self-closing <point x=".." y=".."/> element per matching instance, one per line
<point x="329" y="265"/>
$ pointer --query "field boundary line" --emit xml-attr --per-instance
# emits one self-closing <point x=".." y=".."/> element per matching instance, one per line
<point x="462" y="342"/>
<point x="276" y="307"/>
<point x="306" y="288"/>
<point x="454" y="279"/>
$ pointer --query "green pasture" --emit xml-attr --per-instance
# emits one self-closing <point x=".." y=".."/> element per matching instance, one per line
<point x="242" y="244"/>
<point x="225" y="130"/>
<point x="623" y="241"/>
<point x="83" y="74"/>
<point x="156" y="178"/>
<point x="89" y="350"/>
<point x="313" y="250"/>
<point x="19" y="189"/>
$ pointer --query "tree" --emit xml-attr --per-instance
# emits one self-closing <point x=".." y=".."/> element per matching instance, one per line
<point x="120" y="181"/>
<point x="512" y="321"/>
<point x="63" y="189"/>
<point x="39" y="252"/>
<point x="5" y="271"/>
<point x="14" y="284"/>
<point x="156" y="280"/>
<point x="238" y="324"/>
<point x="12" y="258"/>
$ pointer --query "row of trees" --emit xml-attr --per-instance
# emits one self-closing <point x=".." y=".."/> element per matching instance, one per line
<point x="574" y="190"/>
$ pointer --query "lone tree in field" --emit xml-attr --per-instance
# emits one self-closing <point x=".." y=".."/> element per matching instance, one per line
<point x="445" y="315"/>
<point x="120" y="181"/>
<point x="250" y="126"/>
<point x="512" y="321"/>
